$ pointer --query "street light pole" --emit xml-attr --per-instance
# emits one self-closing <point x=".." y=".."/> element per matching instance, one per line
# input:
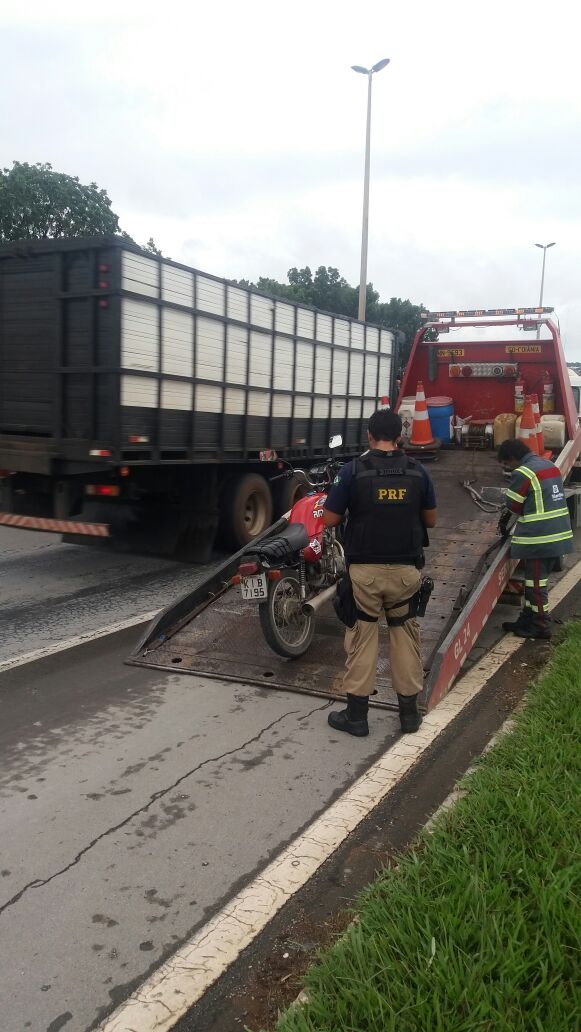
<point x="369" y="72"/>
<point x="544" y="250"/>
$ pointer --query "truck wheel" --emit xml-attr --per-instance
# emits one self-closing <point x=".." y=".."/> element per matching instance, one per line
<point x="285" y="493"/>
<point x="245" y="509"/>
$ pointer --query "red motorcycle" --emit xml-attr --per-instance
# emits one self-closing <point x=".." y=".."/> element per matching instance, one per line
<point x="292" y="575"/>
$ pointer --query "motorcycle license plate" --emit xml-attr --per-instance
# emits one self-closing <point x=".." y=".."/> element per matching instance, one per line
<point x="254" y="588"/>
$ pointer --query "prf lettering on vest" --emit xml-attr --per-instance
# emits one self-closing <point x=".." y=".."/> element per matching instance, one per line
<point x="391" y="494"/>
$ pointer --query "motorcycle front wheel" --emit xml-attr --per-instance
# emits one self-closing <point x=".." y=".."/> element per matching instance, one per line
<point x="287" y="630"/>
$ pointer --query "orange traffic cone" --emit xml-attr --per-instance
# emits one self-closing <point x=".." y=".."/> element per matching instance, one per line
<point x="539" y="429"/>
<point x="421" y="436"/>
<point x="528" y="428"/>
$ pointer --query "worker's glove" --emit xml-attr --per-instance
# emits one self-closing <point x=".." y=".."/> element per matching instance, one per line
<point x="503" y="522"/>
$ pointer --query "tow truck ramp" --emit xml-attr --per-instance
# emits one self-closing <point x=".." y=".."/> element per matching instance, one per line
<point x="212" y="632"/>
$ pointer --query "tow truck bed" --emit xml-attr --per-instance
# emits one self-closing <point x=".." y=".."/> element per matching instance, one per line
<point x="221" y="637"/>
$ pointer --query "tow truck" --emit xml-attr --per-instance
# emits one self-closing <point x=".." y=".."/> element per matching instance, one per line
<point x="475" y="367"/>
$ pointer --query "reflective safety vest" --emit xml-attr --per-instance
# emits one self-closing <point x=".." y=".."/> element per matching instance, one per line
<point x="385" y="502"/>
<point x="543" y="529"/>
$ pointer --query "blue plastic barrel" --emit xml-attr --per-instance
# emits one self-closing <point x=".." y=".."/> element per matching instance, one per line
<point x="441" y="413"/>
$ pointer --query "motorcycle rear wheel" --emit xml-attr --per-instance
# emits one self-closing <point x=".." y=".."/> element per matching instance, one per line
<point x="287" y="630"/>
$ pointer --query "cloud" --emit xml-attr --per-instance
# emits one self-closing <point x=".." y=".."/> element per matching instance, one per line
<point x="234" y="136"/>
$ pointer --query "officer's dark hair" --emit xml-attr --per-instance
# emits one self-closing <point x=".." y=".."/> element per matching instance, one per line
<point x="512" y="449"/>
<point x="384" y="425"/>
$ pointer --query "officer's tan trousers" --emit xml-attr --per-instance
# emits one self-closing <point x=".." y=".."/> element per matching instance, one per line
<point x="381" y="587"/>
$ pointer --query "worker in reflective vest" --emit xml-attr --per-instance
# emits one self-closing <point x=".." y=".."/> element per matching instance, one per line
<point x="542" y="531"/>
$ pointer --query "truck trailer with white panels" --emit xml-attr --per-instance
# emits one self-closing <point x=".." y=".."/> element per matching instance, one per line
<point x="137" y="395"/>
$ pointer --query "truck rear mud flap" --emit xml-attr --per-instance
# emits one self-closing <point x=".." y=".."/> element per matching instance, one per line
<point x="212" y="632"/>
<point x="46" y="524"/>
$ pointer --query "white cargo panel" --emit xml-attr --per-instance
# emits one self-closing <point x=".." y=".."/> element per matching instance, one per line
<point x="177" y="337"/>
<point x="177" y="285"/>
<point x="139" y="336"/>
<point x="139" y="275"/>
<point x="210" y="295"/>
<point x="273" y="368"/>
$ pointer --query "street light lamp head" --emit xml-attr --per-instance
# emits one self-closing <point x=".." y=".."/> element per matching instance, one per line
<point x="544" y="246"/>
<point x="375" y="68"/>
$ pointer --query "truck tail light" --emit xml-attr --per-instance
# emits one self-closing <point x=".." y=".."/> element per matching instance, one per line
<point x="5" y="473"/>
<point x="136" y="439"/>
<point x="103" y="490"/>
<point x="100" y="453"/>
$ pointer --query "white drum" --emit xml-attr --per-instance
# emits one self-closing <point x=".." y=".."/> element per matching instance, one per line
<point x="406" y="411"/>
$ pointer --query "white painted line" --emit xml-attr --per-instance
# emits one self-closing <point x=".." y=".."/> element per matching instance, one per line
<point x="179" y="983"/>
<point x="565" y="585"/>
<point x="71" y="643"/>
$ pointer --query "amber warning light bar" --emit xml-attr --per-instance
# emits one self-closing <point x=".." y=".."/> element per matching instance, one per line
<point x="477" y="313"/>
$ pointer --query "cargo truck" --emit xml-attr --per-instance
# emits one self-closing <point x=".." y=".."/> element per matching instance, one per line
<point x="137" y="395"/>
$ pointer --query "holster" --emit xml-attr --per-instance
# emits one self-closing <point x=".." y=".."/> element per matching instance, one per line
<point x="417" y="603"/>
<point x="344" y="604"/>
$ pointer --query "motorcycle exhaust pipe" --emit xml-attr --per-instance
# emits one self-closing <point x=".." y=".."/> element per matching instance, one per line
<point x="319" y="600"/>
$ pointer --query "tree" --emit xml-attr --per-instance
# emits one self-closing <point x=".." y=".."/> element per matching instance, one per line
<point x="328" y="290"/>
<point x="152" y="247"/>
<point x="37" y="203"/>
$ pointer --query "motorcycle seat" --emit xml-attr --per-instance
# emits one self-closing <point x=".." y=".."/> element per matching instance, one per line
<point x="293" y="538"/>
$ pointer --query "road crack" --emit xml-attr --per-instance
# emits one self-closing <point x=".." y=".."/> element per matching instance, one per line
<point x="39" y="883"/>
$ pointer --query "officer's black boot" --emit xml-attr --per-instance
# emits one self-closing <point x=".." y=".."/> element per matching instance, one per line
<point x="410" y="717"/>
<point x="354" y="718"/>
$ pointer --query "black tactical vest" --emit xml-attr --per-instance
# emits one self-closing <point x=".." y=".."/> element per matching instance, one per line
<point x="385" y="503"/>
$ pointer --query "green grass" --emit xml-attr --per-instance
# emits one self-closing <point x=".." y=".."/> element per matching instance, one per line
<point x="478" y="928"/>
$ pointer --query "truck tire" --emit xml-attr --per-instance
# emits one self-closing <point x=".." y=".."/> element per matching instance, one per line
<point x="285" y="493"/>
<point x="245" y="509"/>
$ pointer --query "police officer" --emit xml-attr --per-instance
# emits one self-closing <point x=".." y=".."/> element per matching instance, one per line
<point x="390" y="500"/>
<point x="542" y="532"/>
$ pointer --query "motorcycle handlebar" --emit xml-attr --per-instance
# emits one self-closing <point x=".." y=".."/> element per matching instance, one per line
<point x="318" y="485"/>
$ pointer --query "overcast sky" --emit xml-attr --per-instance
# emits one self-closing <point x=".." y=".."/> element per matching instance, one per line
<point x="234" y="135"/>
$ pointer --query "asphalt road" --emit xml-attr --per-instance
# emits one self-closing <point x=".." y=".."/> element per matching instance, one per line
<point x="133" y="803"/>
<point x="50" y="592"/>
